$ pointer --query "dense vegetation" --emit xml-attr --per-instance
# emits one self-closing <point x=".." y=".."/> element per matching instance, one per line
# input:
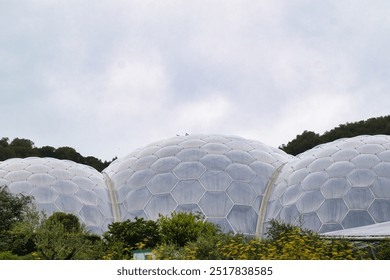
<point x="22" y="148"/>
<point x="28" y="234"/>
<point x="309" y="139"/>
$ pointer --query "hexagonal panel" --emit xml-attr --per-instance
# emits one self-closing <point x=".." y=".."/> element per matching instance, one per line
<point x="297" y="176"/>
<point x="357" y="218"/>
<point x="241" y="193"/>
<point x="259" y="184"/>
<point x="262" y="156"/>
<point x="44" y="195"/>
<point x="237" y="156"/>
<point x="384" y="156"/>
<point x="320" y="164"/>
<point x="168" y="151"/>
<point x="381" y="188"/>
<point x="289" y="214"/>
<point x="86" y="183"/>
<point x="38" y="168"/>
<point x="215" y="180"/>
<point x="263" y="169"/>
<point x="136" y="199"/>
<point x="68" y="203"/>
<point x="91" y="216"/>
<point x="365" y="161"/>
<point x="162" y="183"/>
<point x="20" y="187"/>
<point x="310" y="201"/>
<point x="18" y="175"/>
<point x="243" y="219"/>
<point x="358" y="198"/>
<point x="382" y="169"/>
<point x="65" y="187"/>
<point x="291" y="194"/>
<point x="335" y="187"/>
<point x="87" y="197"/>
<point x="160" y="204"/>
<point x="190" y="154"/>
<point x="345" y="155"/>
<point x="215" y="148"/>
<point x="340" y="169"/>
<point x="189" y="170"/>
<point x="330" y="227"/>
<point x="311" y="221"/>
<point x="332" y="211"/>
<point x="192" y="143"/>
<point x="144" y="162"/>
<point x="361" y="177"/>
<point x="49" y="208"/>
<point x="240" y="172"/>
<point x="380" y="210"/>
<point x="188" y="192"/>
<point x="215" y="162"/>
<point x="165" y="164"/>
<point x="315" y="180"/>
<point x="215" y="204"/>
<point x="140" y="178"/>
<point x="122" y="177"/>
<point x="370" y="149"/>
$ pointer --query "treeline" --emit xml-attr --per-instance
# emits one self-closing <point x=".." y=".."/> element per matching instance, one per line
<point x="22" y="148"/>
<point x="310" y="139"/>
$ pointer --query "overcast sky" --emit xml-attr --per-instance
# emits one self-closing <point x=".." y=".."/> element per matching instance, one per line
<point x="107" y="77"/>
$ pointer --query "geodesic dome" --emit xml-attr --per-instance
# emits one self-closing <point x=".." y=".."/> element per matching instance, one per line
<point x="61" y="186"/>
<point x="222" y="177"/>
<point x="338" y="188"/>
<point x="335" y="186"/>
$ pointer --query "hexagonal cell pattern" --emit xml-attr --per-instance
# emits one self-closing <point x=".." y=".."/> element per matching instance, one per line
<point x="206" y="173"/>
<point x="61" y="185"/>
<point x="345" y="183"/>
<point x="334" y="186"/>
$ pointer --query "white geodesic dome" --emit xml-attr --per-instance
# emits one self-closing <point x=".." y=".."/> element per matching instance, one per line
<point x="335" y="186"/>
<point x="61" y="186"/>
<point x="222" y="177"/>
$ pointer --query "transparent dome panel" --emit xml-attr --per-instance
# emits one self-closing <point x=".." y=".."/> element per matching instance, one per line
<point x="380" y="210"/>
<point x="162" y="183"/>
<point x="358" y="198"/>
<point x="332" y="211"/>
<point x="215" y="162"/>
<point x="215" y="204"/>
<point x="243" y="219"/>
<point x="166" y="164"/>
<point x="357" y="218"/>
<point x="241" y="193"/>
<point x="189" y="170"/>
<point x="160" y="204"/>
<point x="240" y="172"/>
<point x="215" y="180"/>
<point x="187" y="192"/>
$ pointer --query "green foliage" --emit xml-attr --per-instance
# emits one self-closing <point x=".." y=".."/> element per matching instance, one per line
<point x="309" y="139"/>
<point x="12" y="208"/>
<point x="124" y="237"/>
<point x="181" y="228"/>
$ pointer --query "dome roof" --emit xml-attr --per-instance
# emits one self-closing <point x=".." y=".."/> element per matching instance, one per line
<point x="237" y="183"/>
<point x="339" y="185"/>
<point x="223" y="177"/>
<point x="61" y="186"/>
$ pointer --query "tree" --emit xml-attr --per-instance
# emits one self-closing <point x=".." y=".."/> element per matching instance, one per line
<point x="181" y="228"/>
<point x="62" y="237"/>
<point x="12" y="208"/>
<point x="124" y="237"/>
